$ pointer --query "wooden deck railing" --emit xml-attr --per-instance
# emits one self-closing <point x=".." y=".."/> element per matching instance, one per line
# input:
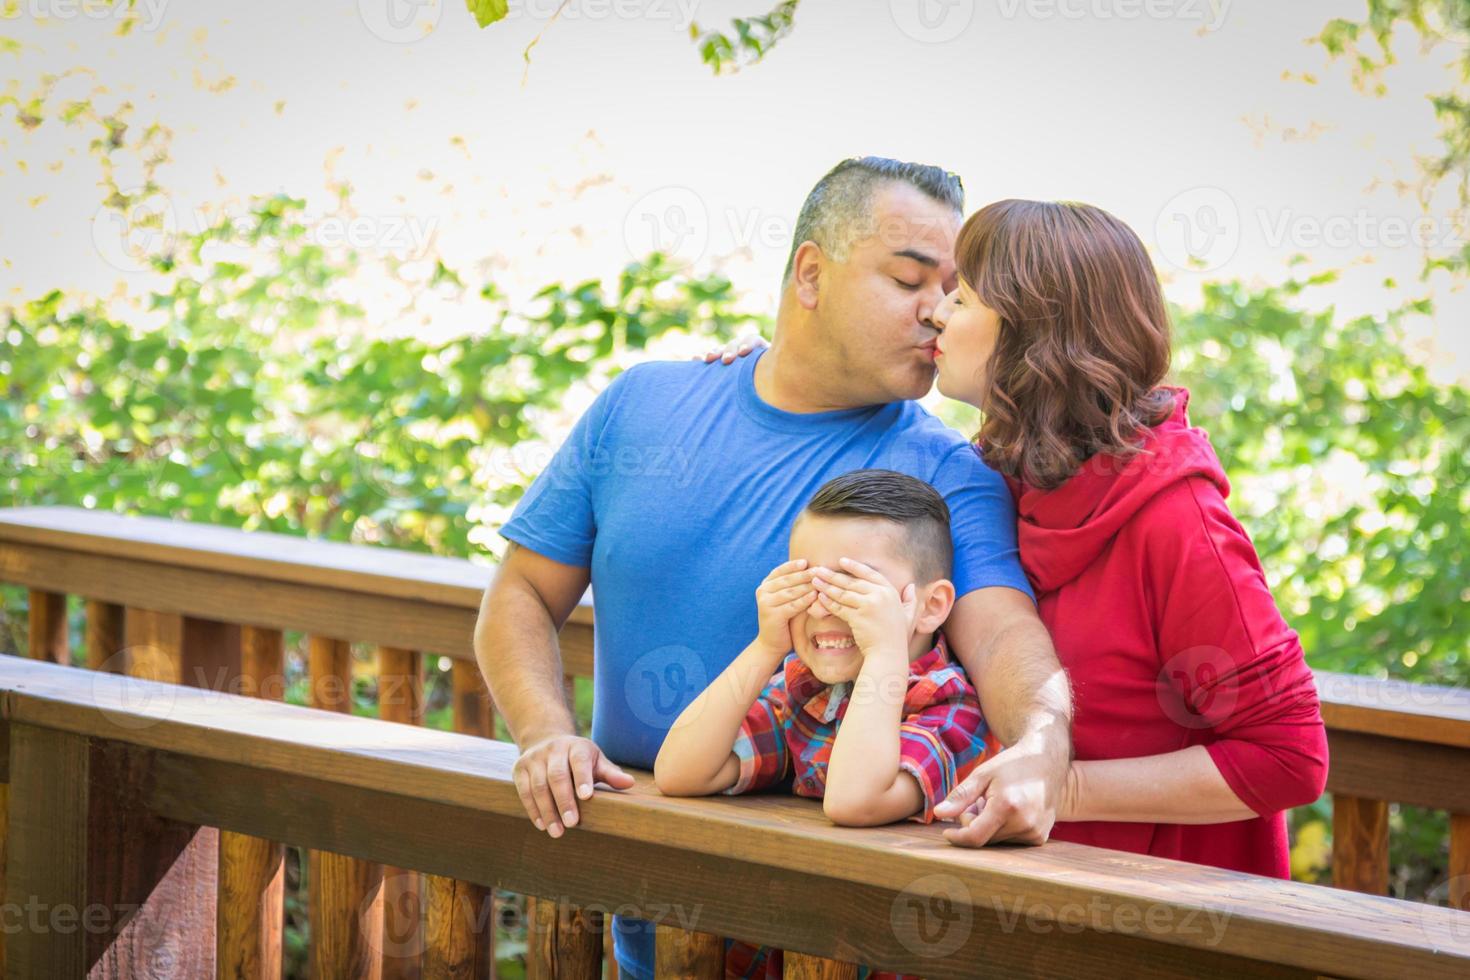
<point x="395" y="815"/>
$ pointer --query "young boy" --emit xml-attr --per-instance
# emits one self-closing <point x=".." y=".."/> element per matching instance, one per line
<point x="866" y="710"/>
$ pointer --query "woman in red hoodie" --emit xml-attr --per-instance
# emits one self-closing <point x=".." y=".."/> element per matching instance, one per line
<point x="1196" y="721"/>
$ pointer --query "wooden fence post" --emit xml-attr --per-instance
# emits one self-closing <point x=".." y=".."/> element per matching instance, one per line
<point x="345" y="893"/>
<point x="250" y="930"/>
<point x="461" y="915"/>
<point x="1360" y="844"/>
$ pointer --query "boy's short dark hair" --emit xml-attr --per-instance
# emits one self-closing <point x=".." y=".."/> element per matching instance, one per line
<point x="900" y="499"/>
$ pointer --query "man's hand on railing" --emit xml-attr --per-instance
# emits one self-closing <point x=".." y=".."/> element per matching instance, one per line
<point x="553" y="773"/>
<point x="1011" y="798"/>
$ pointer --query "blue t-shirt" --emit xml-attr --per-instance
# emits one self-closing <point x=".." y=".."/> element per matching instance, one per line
<point x="678" y="489"/>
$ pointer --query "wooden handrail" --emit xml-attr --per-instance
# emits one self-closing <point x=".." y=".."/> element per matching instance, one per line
<point x="377" y="595"/>
<point x="33" y="538"/>
<point x="204" y="758"/>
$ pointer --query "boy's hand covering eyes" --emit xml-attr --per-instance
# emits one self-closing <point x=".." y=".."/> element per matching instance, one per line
<point x="784" y="593"/>
<point x="864" y="599"/>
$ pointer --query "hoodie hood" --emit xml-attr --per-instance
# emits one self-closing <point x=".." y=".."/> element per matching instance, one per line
<point x="1062" y="531"/>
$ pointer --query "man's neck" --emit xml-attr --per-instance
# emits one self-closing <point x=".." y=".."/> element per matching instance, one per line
<point x="786" y="380"/>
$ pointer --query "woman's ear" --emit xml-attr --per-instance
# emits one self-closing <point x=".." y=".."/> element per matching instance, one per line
<point x="934" y="603"/>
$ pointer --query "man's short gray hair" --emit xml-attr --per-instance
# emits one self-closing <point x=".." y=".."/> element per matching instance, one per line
<point x="838" y="212"/>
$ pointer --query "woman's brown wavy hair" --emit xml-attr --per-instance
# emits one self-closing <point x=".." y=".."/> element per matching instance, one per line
<point x="1083" y="343"/>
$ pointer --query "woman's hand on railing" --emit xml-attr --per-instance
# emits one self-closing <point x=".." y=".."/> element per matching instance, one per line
<point x="734" y="349"/>
<point x="554" y="773"/>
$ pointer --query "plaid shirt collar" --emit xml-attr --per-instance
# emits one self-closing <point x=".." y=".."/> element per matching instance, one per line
<point x="825" y="702"/>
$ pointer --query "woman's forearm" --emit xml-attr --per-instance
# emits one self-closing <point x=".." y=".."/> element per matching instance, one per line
<point x="1176" y="787"/>
<point x="697" y="755"/>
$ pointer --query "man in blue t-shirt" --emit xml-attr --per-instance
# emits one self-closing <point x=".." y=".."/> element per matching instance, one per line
<point x="675" y="494"/>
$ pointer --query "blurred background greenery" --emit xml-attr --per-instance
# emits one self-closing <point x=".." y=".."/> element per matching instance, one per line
<point x="250" y="393"/>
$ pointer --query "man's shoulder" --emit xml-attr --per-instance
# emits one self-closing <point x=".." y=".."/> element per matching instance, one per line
<point x="650" y="376"/>
<point x="923" y="445"/>
<point x="647" y="397"/>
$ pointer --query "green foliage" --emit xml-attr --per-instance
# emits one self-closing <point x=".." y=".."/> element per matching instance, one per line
<point x="488" y="12"/>
<point x="1441" y="25"/>
<point x="1350" y="470"/>
<point x="257" y="399"/>
<point x="748" y="40"/>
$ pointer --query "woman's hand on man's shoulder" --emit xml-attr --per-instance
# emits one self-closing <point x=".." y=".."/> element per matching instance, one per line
<point x="735" y="348"/>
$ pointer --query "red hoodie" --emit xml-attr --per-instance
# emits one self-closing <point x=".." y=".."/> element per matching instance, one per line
<point x="1160" y="612"/>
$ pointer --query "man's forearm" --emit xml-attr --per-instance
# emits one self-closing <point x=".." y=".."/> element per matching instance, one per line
<point x="1022" y="686"/>
<point x="518" y="651"/>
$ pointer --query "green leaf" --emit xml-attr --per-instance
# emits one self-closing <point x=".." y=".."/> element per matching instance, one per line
<point x="488" y="12"/>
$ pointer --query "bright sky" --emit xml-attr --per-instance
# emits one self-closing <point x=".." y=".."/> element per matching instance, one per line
<point x="1190" y="119"/>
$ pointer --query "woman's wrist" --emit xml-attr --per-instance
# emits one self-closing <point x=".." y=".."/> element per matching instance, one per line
<point x="1074" y="792"/>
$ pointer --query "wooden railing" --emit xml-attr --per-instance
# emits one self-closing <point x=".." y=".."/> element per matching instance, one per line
<point x="379" y="805"/>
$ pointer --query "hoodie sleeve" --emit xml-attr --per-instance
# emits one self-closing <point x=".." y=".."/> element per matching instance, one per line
<point x="1231" y="668"/>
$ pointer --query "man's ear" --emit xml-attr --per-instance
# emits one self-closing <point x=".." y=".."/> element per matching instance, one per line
<point x="934" y="601"/>
<point x="806" y="274"/>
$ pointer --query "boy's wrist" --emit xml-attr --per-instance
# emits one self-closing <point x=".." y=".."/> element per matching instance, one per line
<point x="770" y="651"/>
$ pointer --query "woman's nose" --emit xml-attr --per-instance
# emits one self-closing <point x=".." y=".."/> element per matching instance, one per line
<point x="940" y="316"/>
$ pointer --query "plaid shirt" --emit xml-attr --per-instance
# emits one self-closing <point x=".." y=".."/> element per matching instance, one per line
<point x="790" y="730"/>
<point x="791" y="727"/>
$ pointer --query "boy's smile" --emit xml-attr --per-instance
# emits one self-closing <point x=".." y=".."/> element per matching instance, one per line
<point x="825" y="643"/>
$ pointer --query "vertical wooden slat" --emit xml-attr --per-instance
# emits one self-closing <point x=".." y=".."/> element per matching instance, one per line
<point x="83" y="837"/>
<point x="250" y="928"/>
<point x="1459" y="896"/>
<point x="801" y="966"/>
<point x="104" y="636"/>
<point x="155" y="645"/>
<point x="329" y="671"/>
<point x="211" y="655"/>
<point x="474" y="712"/>
<point x="4" y="822"/>
<point x="401" y="699"/>
<point x="346" y="917"/>
<point x="563" y="941"/>
<point x="48" y="820"/>
<point x="461" y="921"/>
<point x="680" y="953"/>
<point x="345" y="894"/>
<point x="460" y="930"/>
<point x="609" y="949"/>
<point x="1360" y="844"/>
<point x="48" y="627"/>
